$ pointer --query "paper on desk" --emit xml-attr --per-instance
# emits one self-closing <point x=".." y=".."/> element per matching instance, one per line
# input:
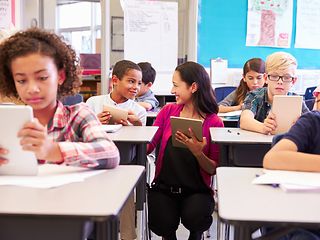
<point x="230" y="114"/>
<point x="290" y="180"/>
<point x="110" y="128"/>
<point x="51" y="175"/>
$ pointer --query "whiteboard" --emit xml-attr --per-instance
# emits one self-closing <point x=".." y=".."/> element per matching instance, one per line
<point x="151" y="35"/>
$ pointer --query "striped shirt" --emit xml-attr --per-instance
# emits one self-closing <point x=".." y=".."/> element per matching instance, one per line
<point x="81" y="139"/>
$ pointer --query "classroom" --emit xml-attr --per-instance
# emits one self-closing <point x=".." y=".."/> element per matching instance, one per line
<point x="159" y="119"/>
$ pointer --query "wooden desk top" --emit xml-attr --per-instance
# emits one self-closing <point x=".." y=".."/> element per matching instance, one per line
<point x="134" y="134"/>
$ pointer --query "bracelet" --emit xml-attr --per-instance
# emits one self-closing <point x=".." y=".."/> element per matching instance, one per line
<point x="318" y="101"/>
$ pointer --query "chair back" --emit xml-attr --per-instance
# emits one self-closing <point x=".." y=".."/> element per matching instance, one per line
<point x="310" y="103"/>
<point x="309" y="93"/>
<point x="72" y="99"/>
<point x="222" y="92"/>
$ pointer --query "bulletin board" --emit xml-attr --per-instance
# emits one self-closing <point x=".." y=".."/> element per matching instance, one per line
<point x="222" y="33"/>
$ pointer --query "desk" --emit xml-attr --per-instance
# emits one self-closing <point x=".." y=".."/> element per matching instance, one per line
<point x="247" y="206"/>
<point x="240" y="147"/>
<point x="151" y="116"/>
<point x="141" y="136"/>
<point x="35" y="212"/>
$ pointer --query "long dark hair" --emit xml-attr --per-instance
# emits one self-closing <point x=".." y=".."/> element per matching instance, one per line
<point x="253" y="64"/>
<point x="203" y="99"/>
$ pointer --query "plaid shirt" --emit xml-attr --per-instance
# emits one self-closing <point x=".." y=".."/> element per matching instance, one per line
<point x="257" y="102"/>
<point x="81" y="140"/>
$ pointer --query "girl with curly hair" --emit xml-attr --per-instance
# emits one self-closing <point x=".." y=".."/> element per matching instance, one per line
<point x="39" y="67"/>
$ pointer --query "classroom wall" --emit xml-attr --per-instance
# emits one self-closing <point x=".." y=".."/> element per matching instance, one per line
<point x="222" y="33"/>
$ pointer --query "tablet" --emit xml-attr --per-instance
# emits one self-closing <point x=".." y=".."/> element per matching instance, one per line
<point x="287" y="110"/>
<point x="21" y="162"/>
<point x="117" y="114"/>
<point x="183" y="125"/>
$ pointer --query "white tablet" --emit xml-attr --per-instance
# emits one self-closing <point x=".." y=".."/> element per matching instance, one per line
<point x="287" y="110"/>
<point x="183" y="124"/>
<point x="21" y="162"/>
<point x="117" y="114"/>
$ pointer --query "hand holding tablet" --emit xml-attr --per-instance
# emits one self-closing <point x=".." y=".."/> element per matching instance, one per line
<point x="117" y="114"/>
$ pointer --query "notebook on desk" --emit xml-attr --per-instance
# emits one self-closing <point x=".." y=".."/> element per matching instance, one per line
<point x="20" y="162"/>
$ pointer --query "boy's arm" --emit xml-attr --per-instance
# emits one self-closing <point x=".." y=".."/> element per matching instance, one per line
<point x="247" y="122"/>
<point x="146" y="105"/>
<point x="285" y="156"/>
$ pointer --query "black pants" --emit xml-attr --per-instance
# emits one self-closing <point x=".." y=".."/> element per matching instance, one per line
<point x="165" y="209"/>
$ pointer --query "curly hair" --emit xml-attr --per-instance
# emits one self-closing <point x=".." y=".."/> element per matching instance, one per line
<point x="45" y="43"/>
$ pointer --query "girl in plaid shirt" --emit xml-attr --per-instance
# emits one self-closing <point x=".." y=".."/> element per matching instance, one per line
<point x="39" y="67"/>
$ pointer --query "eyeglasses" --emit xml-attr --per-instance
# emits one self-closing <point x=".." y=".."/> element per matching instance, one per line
<point x="276" y="78"/>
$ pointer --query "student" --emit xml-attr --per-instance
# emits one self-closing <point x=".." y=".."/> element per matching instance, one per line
<point x="298" y="150"/>
<point x="252" y="78"/>
<point x="145" y="96"/>
<point x="280" y="76"/>
<point x="181" y="187"/>
<point x="126" y="81"/>
<point x="39" y="68"/>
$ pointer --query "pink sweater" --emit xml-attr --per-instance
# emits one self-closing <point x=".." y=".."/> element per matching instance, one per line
<point x="164" y="133"/>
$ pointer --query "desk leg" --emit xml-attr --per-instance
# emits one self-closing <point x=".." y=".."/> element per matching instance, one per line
<point x="141" y="192"/>
<point x="224" y="155"/>
<point x="108" y="230"/>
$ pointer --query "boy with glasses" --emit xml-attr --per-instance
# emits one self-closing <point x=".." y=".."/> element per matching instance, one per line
<point x="280" y="76"/>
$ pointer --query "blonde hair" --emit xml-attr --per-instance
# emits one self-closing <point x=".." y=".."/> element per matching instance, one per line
<point x="280" y="61"/>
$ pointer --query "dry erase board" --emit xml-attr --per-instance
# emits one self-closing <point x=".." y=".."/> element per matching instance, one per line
<point x="222" y="33"/>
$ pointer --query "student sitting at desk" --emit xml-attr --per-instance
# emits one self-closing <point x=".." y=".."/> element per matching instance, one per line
<point x="145" y="96"/>
<point x="181" y="188"/>
<point x="252" y="78"/>
<point x="126" y="81"/>
<point x="39" y="68"/>
<point x="316" y="94"/>
<point x="280" y="76"/>
<point x="298" y="150"/>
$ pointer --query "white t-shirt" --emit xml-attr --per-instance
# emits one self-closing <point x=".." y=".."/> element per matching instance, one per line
<point x="96" y="103"/>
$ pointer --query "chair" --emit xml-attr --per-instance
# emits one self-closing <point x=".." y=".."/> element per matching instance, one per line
<point x="309" y="93"/>
<point x="222" y="92"/>
<point x="310" y="103"/>
<point x="72" y="99"/>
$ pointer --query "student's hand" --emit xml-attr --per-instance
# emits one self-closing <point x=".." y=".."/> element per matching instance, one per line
<point x="3" y="152"/>
<point x="133" y="119"/>
<point x="194" y="145"/>
<point x="34" y="138"/>
<point x="269" y="124"/>
<point x="104" y="117"/>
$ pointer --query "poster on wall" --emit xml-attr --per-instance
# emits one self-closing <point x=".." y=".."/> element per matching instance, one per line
<point x="307" y="29"/>
<point x="6" y="14"/>
<point x="269" y="23"/>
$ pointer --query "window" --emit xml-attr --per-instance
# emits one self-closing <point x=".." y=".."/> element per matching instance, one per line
<point x="80" y="24"/>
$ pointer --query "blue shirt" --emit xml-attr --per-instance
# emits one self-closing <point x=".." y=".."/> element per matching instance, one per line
<point x="305" y="133"/>
<point x="149" y="97"/>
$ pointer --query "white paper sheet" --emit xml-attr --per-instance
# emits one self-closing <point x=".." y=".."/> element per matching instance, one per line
<point x="51" y="175"/>
<point x="290" y="180"/>
<point x="307" y="29"/>
<point x="269" y="23"/>
<point x="231" y="114"/>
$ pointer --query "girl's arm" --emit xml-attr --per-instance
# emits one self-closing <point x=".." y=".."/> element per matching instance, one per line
<point x="285" y="156"/>
<point x="225" y="109"/>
